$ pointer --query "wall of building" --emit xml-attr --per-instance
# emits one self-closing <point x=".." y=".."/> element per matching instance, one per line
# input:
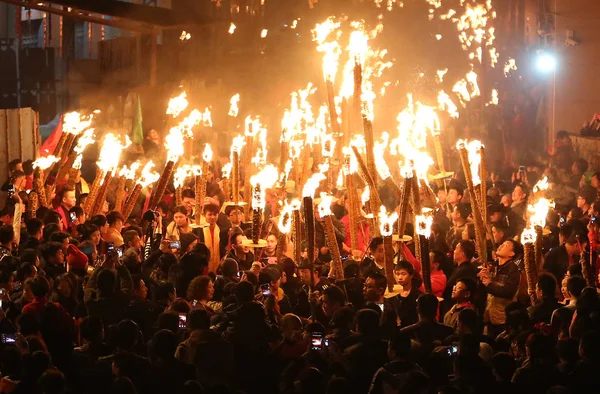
<point x="577" y="94"/>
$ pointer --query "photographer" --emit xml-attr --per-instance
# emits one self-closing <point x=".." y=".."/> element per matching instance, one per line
<point x="502" y="285"/>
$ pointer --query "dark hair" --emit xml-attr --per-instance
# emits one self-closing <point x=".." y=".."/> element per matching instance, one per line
<point x="106" y="281"/>
<point x="86" y="230"/>
<point x="468" y="248"/>
<point x="374" y="244"/>
<point x="91" y="328"/>
<point x="575" y="285"/>
<point x="588" y="193"/>
<point x="29" y="256"/>
<point x="581" y="164"/>
<point x="180" y="209"/>
<point x="469" y="318"/>
<point x="163" y="344"/>
<point x="127" y="334"/>
<point x="231" y="208"/>
<point x="505" y="366"/>
<point x="59" y="237"/>
<point x="113" y="216"/>
<point x="244" y="292"/>
<point x="24" y="271"/>
<point x="517" y="248"/>
<point x="52" y="217"/>
<point x="470" y="285"/>
<point x="77" y="210"/>
<point x="367" y="322"/>
<point x="188" y="193"/>
<point x="186" y="239"/>
<point x="229" y="267"/>
<point x="163" y="290"/>
<point x="50" y="249"/>
<point x="464" y="210"/>
<point x="212" y="208"/>
<point x="98" y="220"/>
<point x="401" y="344"/>
<point x="40" y="286"/>
<point x="198" y="319"/>
<point x="5" y="275"/>
<point x="33" y="225"/>
<point x="41" y="212"/>
<point x="12" y="165"/>
<point x="380" y="279"/>
<point x="547" y="285"/>
<point x="7" y="234"/>
<point x="406" y="266"/>
<point x="50" y="229"/>
<point x="540" y="346"/>
<point x="575" y="270"/>
<point x="64" y="191"/>
<point x="427" y="305"/>
<point x="129" y="236"/>
<point x="562" y="134"/>
<point x="335" y="294"/>
<point x="52" y="382"/>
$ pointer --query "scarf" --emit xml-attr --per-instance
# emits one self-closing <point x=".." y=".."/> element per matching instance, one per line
<point x="212" y="241"/>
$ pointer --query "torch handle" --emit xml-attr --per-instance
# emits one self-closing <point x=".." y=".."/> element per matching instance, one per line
<point x="334" y="248"/>
<point x="389" y="261"/>
<point x="120" y="194"/>
<point x="530" y="271"/>
<point x="309" y="223"/>
<point x="161" y="186"/>
<point x="297" y="235"/>
<point x="131" y="200"/>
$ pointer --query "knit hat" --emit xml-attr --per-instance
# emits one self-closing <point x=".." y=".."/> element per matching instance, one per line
<point x="76" y="259"/>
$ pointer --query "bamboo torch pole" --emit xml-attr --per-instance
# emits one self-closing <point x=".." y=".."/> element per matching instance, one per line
<point x="386" y="223"/>
<point x="479" y="226"/>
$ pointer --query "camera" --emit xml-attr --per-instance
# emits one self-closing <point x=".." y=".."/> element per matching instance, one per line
<point x="182" y="320"/>
<point x="11" y="190"/>
<point x="452" y="350"/>
<point x="317" y="341"/>
<point x="265" y="289"/>
<point x="73" y="216"/>
<point x="593" y="219"/>
<point x="175" y="245"/>
<point x="9" y="338"/>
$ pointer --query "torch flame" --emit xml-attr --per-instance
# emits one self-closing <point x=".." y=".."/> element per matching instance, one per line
<point x="324" y="206"/>
<point x="366" y="195"/>
<point x="207" y="154"/>
<point x="237" y="144"/>
<point x="529" y="236"/>
<point x="129" y="172"/>
<point x="312" y="184"/>
<point x="226" y="171"/>
<point x="233" y="105"/>
<point x="285" y="219"/>
<point x="177" y="105"/>
<point x="266" y="179"/>
<point x="87" y="138"/>
<point x="473" y="148"/>
<point x="386" y="222"/>
<point x="542" y="185"/>
<point x="264" y="33"/>
<point x="74" y="123"/>
<point x="174" y="143"/>
<point x="232" y="28"/>
<point x="148" y="176"/>
<point x="206" y="118"/>
<point x="380" y="162"/>
<point x="539" y="212"/>
<point x="110" y="153"/>
<point x="43" y="163"/>
<point x="423" y="225"/>
<point x="181" y="174"/>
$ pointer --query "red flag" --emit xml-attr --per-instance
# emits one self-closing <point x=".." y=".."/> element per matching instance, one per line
<point x="49" y="145"/>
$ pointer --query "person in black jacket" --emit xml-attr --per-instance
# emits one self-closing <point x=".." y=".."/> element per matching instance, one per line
<point x="167" y="373"/>
<point x="547" y="302"/>
<point x="558" y="259"/>
<point x="463" y="255"/>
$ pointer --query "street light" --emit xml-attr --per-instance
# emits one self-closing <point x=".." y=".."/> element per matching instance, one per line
<point x="546" y="62"/>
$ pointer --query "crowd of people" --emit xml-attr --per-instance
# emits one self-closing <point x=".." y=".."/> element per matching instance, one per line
<point x="154" y="303"/>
